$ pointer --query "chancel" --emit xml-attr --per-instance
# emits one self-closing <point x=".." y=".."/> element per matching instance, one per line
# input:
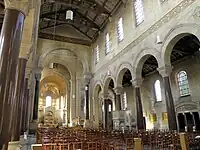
<point x="100" y="74"/>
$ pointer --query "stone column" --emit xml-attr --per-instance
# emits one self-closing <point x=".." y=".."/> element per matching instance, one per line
<point x="28" y="109"/>
<point x="25" y="107"/>
<point x="78" y="97"/>
<point x="87" y="101"/>
<point x="36" y="96"/>
<point x="165" y="72"/>
<point x="72" y="100"/>
<point x="139" y="111"/>
<point x="118" y="92"/>
<point x="87" y="77"/>
<point x="105" y="110"/>
<point x="11" y="35"/>
<point x="18" y="110"/>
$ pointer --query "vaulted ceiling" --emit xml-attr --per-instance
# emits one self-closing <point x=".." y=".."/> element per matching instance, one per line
<point x="89" y="19"/>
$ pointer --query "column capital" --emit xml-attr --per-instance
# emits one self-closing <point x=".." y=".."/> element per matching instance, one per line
<point x="28" y="72"/>
<point x="24" y="51"/>
<point x="165" y="71"/>
<point x="38" y="76"/>
<point x="118" y="90"/>
<point x="37" y="72"/>
<point x="87" y="77"/>
<point x="20" y="5"/>
<point x="105" y="95"/>
<point x="137" y="82"/>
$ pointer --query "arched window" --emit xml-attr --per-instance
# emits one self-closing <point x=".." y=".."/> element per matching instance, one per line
<point x="183" y="83"/>
<point x="139" y="11"/>
<point x="107" y="44"/>
<point x="124" y="101"/>
<point x="120" y="29"/>
<point x="97" y="54"/>
<point x="157" y="89"/>
<point x="109" y="108"/>
<point x="48" y="101"/>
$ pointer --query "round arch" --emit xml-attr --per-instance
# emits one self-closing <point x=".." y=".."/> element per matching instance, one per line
<point x="141" y="58"/>
<point x="57" y="73"/>
<point x="97" y="84"/>
<point x="173" y="36"/>
<point x="96" y="106"/>
<point x="120" y="72"/>
<point x="106" y="83"/>
<point x="72" y="53"/>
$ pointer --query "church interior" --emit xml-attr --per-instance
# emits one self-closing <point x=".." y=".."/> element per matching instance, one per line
<point x="100" y="75"/>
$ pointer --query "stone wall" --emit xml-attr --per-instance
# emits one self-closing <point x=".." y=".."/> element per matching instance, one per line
<point x="169" y="20"/>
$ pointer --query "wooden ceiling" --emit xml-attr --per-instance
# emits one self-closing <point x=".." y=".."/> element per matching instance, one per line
<point x="89" y="19"/>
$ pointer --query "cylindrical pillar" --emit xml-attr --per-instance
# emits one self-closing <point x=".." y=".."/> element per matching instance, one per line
<point x="28" y="109"/>
<point x="118" y="105"/>
<point x="106" y="114"/>
<point x="169" y="104"/>
<point x="165" y="72"/>
<point x="10" y="38"/>
<point x="118" y="102"/>
<point x="139" y="110"/>
<point x="87" y="101"/>
<point x="20" y="88"/>
<point x="72" y="107"/>
<point x="36" y="96"/>
<point x="25" y="106"/>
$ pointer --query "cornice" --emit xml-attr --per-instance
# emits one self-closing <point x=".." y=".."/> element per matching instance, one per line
<point x="165" y="19"/>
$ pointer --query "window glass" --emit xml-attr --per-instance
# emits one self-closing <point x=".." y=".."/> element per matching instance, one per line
<point x="48" y="101"/>
<point x="139" y="11"/>
<point x="107" y="45"/>
<point x="120" y="29"/>
<point x="97" y="55"/>
<point x="157" y="89"/>
<point x="125" y="100"/>
<point x="183" y="83"/>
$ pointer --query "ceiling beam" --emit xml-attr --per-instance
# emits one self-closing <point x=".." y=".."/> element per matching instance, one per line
<point x="77" y="15"/>
<point x="99" y="6"/>
<point x="75" y="21"/>
<point x="78" y="29"/>
<point x="51" y="26"/>
<point x="64" y="39"/>
<point x="180" y="51"/>
<point x="97" y="10"/>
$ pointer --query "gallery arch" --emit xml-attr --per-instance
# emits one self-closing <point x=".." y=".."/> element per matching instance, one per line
<point x="53" y="98"/>
<point x="98" y="105"/>
<point x="108" y="103"/>
<point x="71" y="69"/>
<point x="185" y="51"/>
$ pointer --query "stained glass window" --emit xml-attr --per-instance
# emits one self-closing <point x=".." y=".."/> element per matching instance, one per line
<point x="183" y="83"/>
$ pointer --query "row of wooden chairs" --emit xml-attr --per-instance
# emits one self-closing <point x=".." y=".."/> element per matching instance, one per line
<point x="153" y="139"/>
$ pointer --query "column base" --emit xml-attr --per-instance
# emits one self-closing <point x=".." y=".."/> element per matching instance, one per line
<point x="33" y="127"/>
<point x="26" y="143"/>
<point x="14" y="145"/>
<point x="88" y="124"/>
